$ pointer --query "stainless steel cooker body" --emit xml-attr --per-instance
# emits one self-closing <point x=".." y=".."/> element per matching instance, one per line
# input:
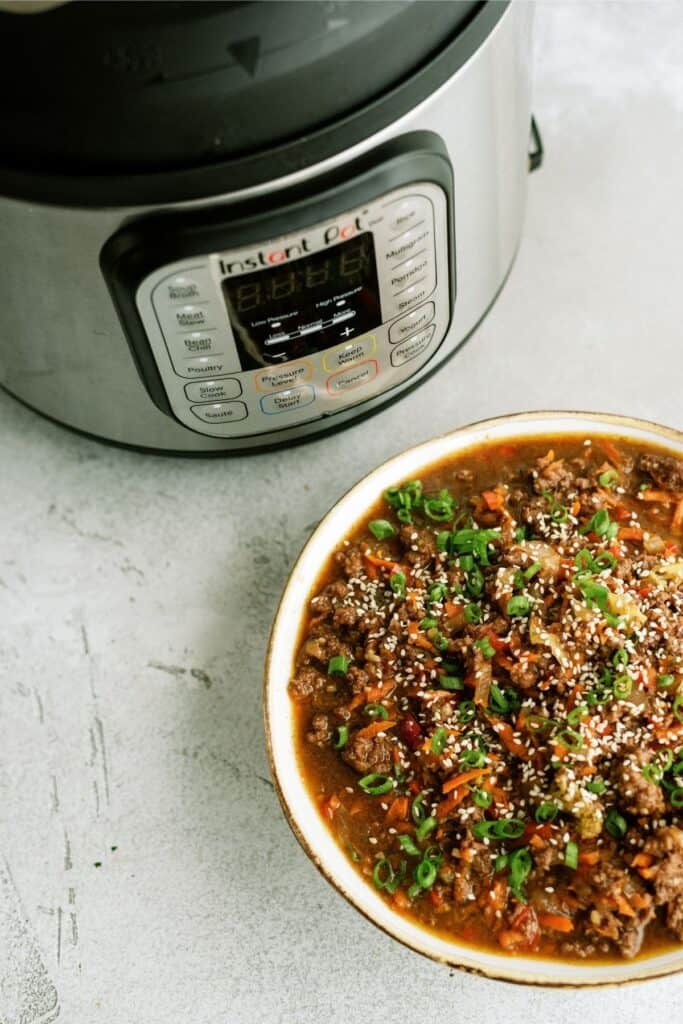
<point x="141" y="325"/>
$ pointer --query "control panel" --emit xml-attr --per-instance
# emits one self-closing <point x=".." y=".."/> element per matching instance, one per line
<point x="267" y="336"/>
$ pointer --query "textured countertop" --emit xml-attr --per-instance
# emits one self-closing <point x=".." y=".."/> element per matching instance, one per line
<point x="147" y="874"/>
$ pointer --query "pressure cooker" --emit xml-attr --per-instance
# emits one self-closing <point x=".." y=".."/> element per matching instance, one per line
<point x="228" y="226"/>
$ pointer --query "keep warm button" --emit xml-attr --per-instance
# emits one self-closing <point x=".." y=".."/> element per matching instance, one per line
<point x="287" y="400"/>
<point x="412" y="347"/>
<point x="352" y="352"/>
<point x="348" y="380"/>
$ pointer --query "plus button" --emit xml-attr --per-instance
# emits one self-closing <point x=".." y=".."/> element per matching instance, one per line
<point x="346" y="332"/>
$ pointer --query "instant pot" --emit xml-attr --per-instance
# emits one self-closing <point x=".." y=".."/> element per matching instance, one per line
<point x="233" y="225"/>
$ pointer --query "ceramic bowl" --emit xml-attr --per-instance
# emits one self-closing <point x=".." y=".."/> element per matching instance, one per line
<point x="301" y="810"/>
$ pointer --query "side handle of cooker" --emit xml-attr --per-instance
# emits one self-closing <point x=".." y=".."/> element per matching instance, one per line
<point x="535" y="146"/>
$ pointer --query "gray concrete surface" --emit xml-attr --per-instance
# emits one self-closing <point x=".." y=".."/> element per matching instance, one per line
<point x="146" y="872"/>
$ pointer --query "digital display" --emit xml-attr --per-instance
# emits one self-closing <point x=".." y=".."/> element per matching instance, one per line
<point x="305" y="305"/>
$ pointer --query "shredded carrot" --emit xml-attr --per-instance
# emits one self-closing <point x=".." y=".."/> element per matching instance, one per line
<point x="463" y="778"/>
<point x="509" y="938"/>
<point x="537" y="842"/>
<point x="640" y="900"/>
<point x="382" y="563"/>
<point x="452" y="610"/>
<point x="401" y="900"/>
<point x="648" y="873"/>
<point x="504" y="730"/>
<point x="374" y="728"/>
<point x="493" y="500"/>
<point x="664" y="497"/>
<point x="589" y="857"/>
<point x="371" y="694"/>
<point x="611" y="451"/>
<point x="444" y="807"/>
<point x="642" y="860"/>
<point x="330" y="805"/>
<point x="677" y="521"/>
<point x="558" y="922"/>
<point x="630" y="533"/>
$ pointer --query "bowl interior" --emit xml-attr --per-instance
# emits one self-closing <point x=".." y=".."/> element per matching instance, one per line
<point x="301" y="810"/>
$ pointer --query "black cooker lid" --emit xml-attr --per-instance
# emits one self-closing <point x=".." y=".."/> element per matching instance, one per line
<point x="94" y="89"/>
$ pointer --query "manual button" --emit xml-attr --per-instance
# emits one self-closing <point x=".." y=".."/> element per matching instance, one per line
<point x="221" y="412"/>
<point x="411" y="322"/>
<point x="350" y="353"/>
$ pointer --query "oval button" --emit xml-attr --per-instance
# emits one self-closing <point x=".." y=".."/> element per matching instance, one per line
<point x="203" y="366"/>
<point x="213" y="390"/>
<point x="182" y="289"/>
<point x="413" y="294"/>
<point x="350" y="353"/>
<point x="411" y="322"/>
<point x="221" y="412"/>
<point x="347" y="380"/>
<point x="283" y="376"/>
<point x="408" y="272"/>
<point x="287" y="400"/>
<point x="404" y="213"/>
<point x="408" y="244"/>
<point x="187" y="317"/>
<point x="412" y="347"/>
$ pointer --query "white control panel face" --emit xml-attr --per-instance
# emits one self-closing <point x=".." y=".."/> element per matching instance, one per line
<point x="265" y="337"/>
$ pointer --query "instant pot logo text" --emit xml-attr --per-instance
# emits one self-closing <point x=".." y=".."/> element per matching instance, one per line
<point x="270" y="258"/>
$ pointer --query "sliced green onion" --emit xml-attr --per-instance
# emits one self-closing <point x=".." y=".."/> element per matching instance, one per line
<point x="577" y="714"/>
<point x="501" y="862"/>
<point x="665" y="681"/>
<point x="678" y="707"/>
<point x="570" y="738"/>
<point x="428" y="623"/>
<point x="538" y="723"/>
<point x="437" y="592"/>
<point x="425" y="827"/>
<point x="451" y="683"/>
<point x="521" y="533"/>
<point x="532" y="570"/>
<point x="341" y="737"/>
<point x="518" y="607"/>
<point x="417" y="810"/>
<point x="610" y="478"/>
<point x="383" y="873"/>
<point x="596" y="786"/>
<point x="599" y="523"/>
<point x="571" y="855"/>
<point x="474" y="583"/>
<point x="615" y="823"/>
<point x="605" y="560"/>
<point x="623" y="685"/>
<point x="438" y="639"/>
<point x="466" y="710"/>
<point x="676" y="797"/>
<point x="510" y="828"/>
<point x="425" y="873"/>
<point x="376" y="784"/>
<point x="381" y="529"/>
<point x="408" y="846"/>
<point x="440" y="508"/>
<point x="397" y="582"/>
<point x="472" y="613"/>
<point x="482" y="797"/>
<point x="485" y="646"/>
<point x="338" y="666"/>
<point x="439" y="739"/>
<point x="520" y="864"/>
<point x="473" y="759"/>
<point x="376" y="711"/>
<point x="620" y="657"/>
<point x="545" y="812"/>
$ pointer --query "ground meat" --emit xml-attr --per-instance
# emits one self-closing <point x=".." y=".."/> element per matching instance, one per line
<point x="368" y="755"/>
<point x="667" y="843"/>
<point x="320" y="732"/>
<point x="326" y="644"/>
<point x="665" y="470"/>
<point x="357" y="678"/>
<point x="420" y="545"/>
<point x="552" y="475"/>
<point x="635" y="793"/>
<point x="325" y="601"/>
<point x="524" y="674"/>
<point x="345" y="615"/>
<point x="471" y="873"/>
<point x="308" y="680"/>
<point x="350" y="560"/>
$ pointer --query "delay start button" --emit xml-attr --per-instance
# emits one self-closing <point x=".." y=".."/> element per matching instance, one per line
<point x="288" y="400"/>
<point x="221" y="412"/>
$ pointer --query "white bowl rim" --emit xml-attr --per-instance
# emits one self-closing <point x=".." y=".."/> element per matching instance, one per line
<point x="299" y="807"/>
